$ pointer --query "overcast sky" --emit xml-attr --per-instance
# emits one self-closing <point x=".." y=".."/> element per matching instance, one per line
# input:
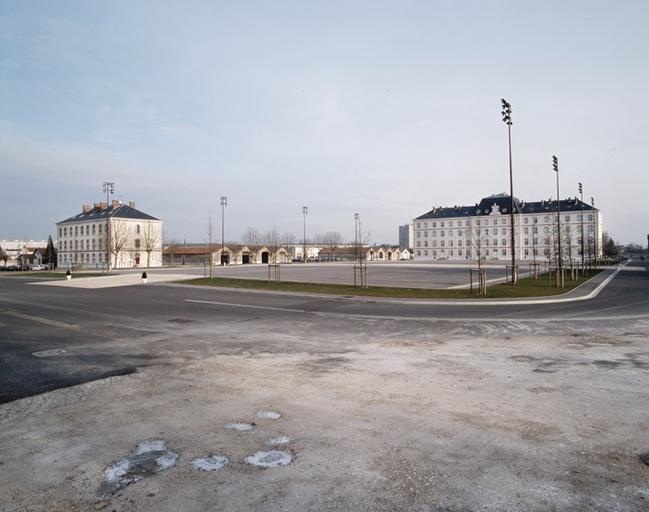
<point x="385" y="108"/>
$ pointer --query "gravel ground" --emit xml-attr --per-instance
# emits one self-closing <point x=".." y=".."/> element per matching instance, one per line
<point x="381" y="415"/>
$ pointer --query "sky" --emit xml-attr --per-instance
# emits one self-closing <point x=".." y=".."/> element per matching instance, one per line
<point x="382" y="108"/>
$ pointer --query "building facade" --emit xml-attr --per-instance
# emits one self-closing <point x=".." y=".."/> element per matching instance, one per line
<point x="406" y="236"/>
<point x="14" y="249"/>
<point x="117" y="235"/>
<point x="483" y="231"/>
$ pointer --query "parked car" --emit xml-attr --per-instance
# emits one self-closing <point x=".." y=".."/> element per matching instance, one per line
<point x="38" y="267"/>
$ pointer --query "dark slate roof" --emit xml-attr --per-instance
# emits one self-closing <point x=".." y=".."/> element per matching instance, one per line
<point x="121" y="211"/>
<point x="503" y="202"/>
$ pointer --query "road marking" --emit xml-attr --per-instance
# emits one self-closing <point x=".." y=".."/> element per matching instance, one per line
<point x="247" y="306"/>
<point x="41" y="320"/>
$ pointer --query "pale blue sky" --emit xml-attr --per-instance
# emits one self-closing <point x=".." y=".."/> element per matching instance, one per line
<point x="386" y="108"/>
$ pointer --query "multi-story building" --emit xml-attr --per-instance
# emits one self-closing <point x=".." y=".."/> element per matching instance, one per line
<point x="483" y="231"/>
<point x="406" y="235"/>
<point x="116" y="233"/>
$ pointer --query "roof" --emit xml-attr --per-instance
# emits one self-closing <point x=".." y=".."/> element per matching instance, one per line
<point x="502" y="202"/>
<point x="120" y="211"/>
<point x="343" y="250"/>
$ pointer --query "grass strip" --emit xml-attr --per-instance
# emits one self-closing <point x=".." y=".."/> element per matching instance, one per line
<point x="527" y="287"/>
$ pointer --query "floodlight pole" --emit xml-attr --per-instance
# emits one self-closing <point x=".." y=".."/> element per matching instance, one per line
<point x="555" y="166"/>
<point x="581" y="198"/>
<point x="507" y="119"/>
<point x="224" y="203"/>
<point x="109" y="188"/>
<point x="305" y="211"/>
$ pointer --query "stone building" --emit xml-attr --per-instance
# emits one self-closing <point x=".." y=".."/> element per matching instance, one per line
<point x="117" y="234"/>
<point x="483" y="231"/>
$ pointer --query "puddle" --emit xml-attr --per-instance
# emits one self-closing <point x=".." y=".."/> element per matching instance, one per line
<point x="149" y="458"/>
<point x="280" y="440"/>
<point x="211" y="463"/>
<point x="241" y="427"/>
<point x="271" y="459"/>
<point x="269" y="415"/>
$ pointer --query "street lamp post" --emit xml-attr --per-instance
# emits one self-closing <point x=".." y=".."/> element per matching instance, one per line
<point x="507" y="119"/>
<point x="595" y="229"/>
<point x="305" y="211"/>
<point x="224" y="203"/>
<point x="109" y="188"/>
<point x="555" y="167"/>
<point x="357" y="250"/>
<point x="581" y="198"/>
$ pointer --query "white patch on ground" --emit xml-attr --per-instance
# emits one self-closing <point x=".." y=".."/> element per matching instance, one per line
<point x="271" y="459"/>
<point x="240" y="426"/>
<point x="210" y="463"/>
<point x="269" y="415"/>
<point x="49" y="353"/>
<point x="280" y="440"/>
<point x="151" y="446"/>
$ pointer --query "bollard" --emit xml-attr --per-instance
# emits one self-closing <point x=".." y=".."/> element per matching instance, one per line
<point x="68" y="275"/>
<point x="144" y="277"/>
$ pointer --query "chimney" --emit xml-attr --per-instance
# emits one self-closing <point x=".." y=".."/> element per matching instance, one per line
<point x="103" y="206"/>
<point x="131" y="204"/>
<point x="115" y="203"/>
<point x="86" y="208"/>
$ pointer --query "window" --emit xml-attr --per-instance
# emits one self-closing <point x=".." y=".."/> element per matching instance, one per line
<point x="137" y="229"/>
<point x="450" y="243"/>
<point x="567" y="218"/>
<point x="93" y="229"/>
<point x="418" y="244"/>
<point x="93" y="243"/>
<point x="459" y="252"/>
<point x="495" y="222"/>
<point x="495" y="242"/>
<point x="527" y="252"/>
<point x="87" y="244"/>
<point x="434" y="234"/>
<point x="426" y="233"/>
<point x="434" y="243"/>
<point x="503" y="242"/>
<point x="494" y="231"/>
<point x="100" y="225"/>
<point x="546" y="230"/>
<point x="467" y="223"/>
<point x="450" y="224"/>
<point x="417" y="234"/>
<point x="418" y="252"/>
<point x="441" y="233"/>
<point x="590" y="217"/>
<point x="536" y="220"/>
<point x="417" y="225"/>
<point x="434" y="224"/>
<point x="425" y="243"/>
<point x="526" y="220"/>
<point x="527" y="241"/>
<point x="87" y="229"/>
<point x="526" y="230"/>
<point x="535" y="230"/>
<point x="503" y="231"/>
<point x="76" y="230"/>
<point x="425" y="253"/>
<point x="442" y="244"/>
<point x="459" y="242"/>
<point x="503" y="221"/>
<point x="442" y="224"/>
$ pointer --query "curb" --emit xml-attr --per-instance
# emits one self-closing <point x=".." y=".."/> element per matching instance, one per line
<point x="422" y="302"/>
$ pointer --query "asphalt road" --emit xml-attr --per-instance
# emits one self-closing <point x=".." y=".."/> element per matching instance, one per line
<point x="55" y="337"/>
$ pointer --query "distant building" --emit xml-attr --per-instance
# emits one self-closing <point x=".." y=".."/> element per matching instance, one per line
<point x="483" y="231"/>
<point x="216" y="254"/>
<point x="117" y="234"/>
<point x="406" y="236"/>
<point x="15" y="248"/>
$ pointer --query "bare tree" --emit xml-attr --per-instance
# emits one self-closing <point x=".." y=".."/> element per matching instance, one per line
<point x="251" y="236"/>
<point x="151" y="237"/>
<point x="479" y="241"/>
<point x="119" y="238"/>
<point x="287" y="239"/>
<point x="332" y="239"/>
<point x="567" y="240"/>
<point x="210" y="235"/>
<point x="3" y="256"/>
